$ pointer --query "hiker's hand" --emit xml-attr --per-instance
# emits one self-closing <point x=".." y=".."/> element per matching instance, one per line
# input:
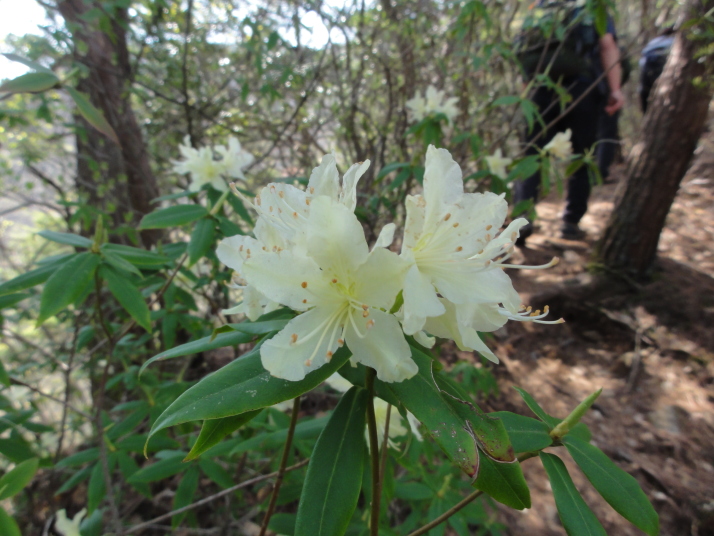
<point x="615" y="101"/>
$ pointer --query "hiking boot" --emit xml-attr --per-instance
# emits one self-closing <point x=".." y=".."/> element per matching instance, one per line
<point x="525" y="232"/>
<point x="571" y="231"/>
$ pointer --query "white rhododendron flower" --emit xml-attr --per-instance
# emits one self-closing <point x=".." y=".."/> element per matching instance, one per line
<point x="434" y="102"/>
<point x="203" y="168"/>
<point x="497" y="163"/>
<point x="66" y="526"/>
<point x="560" y="146"/>
<point x="341" y="288"/>
<point x="452" y="246"/>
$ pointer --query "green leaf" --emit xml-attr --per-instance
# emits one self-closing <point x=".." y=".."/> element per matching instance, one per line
<point x="527" y="434"/>
<point x="11" y="299"/>
<point x="184" y="494"/>
<point x="577" y="518"/>
<point x="573" y="419"/>
<point x="127" y="295"/>
<point x="305" y="429"/>
<point x="79" y="458"/>
<point x="8" y="526"/>
<point x="201" y="345"/>
<point x="423" y="398"/>
<point x="413" y="491"/>
<point x="33" y="277"/>
<point x="216" y="473"/>
<point x="242" y="385"/>
<point x="30" y="83"/>
<point x="386" y="170"/>
<point x="617" y="487"/>
<point x="96" y="489"/>
<point x="67" y="284"/>
<point x="504" y="482"/>
<point x="261" y="327"/>
<point x="120" y="264"/>
<point x="76" y="479"/>
<point x="213" y="431"/>
<point x="4" y="378"/>
<point x="13" y="481"/>
<point x="136" y="256"/>
<point x="334" y="475"/>
<point x="67" y="238"/>
<point x="535" y="408"/>
<point x="31" y="64"/>
<point x="93" y="116"/>
<point x="165" y="468"/>
<point x="172" y="217"/>
<point x="506" y="100"/>
<point x="201" y="239"/>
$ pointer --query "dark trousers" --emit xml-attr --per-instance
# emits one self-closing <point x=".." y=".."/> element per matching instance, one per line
<point x="608" y="132"/>
<point x="582" y="120"/>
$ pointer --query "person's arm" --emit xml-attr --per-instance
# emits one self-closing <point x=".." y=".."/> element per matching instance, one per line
<point x="610" y="59"/>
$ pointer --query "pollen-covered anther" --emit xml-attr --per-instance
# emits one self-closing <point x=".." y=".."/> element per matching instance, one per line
<point x="365" y="313"/>
<point x="295" y="214"/>
<point x="281" y="194"/>
<point x="270" y="208"/>
<point x="487" y="263"/>
<point x="312" y="189"/>
<point x="370" y="323"/>
<point x="334" y="280"/>
<point x="240" y="248"/>
<point x="365" y="306"/>
<point x="272" y="188"/>
<point x="489" y="227"/>
<point x="487" y="237"/>
<point x="329" y="355"/>
<point x="307" y="201"/>
<point x="275" y="248"/>
<point x="456" y="224"/>
<point x="459" y="248"/>
<point x="305" y="300"/>
<point x="447" y="217"/>
<point x="265" y="249"/>
<point x="293" y="338"/>
<point x="308" y="362"/>
<point x="303" y="284"/>
<point x="340" y="342"/>
<point x="535" y="313"/>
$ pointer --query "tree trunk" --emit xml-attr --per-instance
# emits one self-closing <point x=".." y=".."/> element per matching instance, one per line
<point x="116" y="179"/>
<point x="674" y="122"/>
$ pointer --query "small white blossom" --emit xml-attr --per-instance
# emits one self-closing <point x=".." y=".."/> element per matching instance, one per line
<point x="69" y="527"/>
<point x="434" y="102"/>
<point x="396" y="424"/>
<point x="203" y="168"/>
<point x="235" y="159"/>
<point x="497" y="163"/>
<point x="560" y="146"/>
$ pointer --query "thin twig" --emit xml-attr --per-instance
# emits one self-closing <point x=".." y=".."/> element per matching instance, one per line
<point x="385" y="444"/>
<point x="461" y="504"/>
<point x="374" y="454"/>
<point x="283" y="463"/>
<point x="135" y="528"/>
<point x="51" y="397"/>
<point x="67" y="388"/>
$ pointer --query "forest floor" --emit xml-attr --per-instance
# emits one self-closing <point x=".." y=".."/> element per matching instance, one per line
<point x="649" y="347"/>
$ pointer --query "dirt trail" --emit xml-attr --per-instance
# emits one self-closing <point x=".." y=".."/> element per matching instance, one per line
<point x="651" y="349"/>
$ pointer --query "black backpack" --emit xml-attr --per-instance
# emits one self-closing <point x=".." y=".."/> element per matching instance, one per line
<point x="654" y="56"/>
<point x="559" y="38"/>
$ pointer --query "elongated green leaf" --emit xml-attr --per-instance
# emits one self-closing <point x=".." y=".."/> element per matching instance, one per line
<point x="13" y="481"/>
<point x="305" y="429"/>
<point x="11" y="299"/>
<point x="172" y="216"/>
<point x="8" y="526"/>
<point x="527" y="434"/>
<point x="213" y="431"/>
<point x="136" y="256"/>
<point x="96" y="488"/>
<point x="334" y="475"/>
<point x="504" y="482"/>
<point x="67" y="238"/>
<point x="33" y="277"/>
<point x="4" y="378"/>
<point x="356" y="376"/>
<point x="76" y="479"/>
<point x="617" y="487"/>
<point x="184" y="493"/>
<point x="121" y="264"/>
<point x="535" y="408"/>
<point x="127" y="295"/>
<point x="577" y="518"/>
<point x="79" y="458"/>
<point x="386" y="170"/>
<point x="201" y="345"/>
<point x="165" y="468"/>
<point x="29" y="83"/>
<point x="261" y="327"/>
<point x="242" y="385"/>
<point x="423" y="398"/>
<point x="201" y="239"/>
<point x="93" y="116"/>
<point x="31" y="64"/>
<point x="67" y="284"/>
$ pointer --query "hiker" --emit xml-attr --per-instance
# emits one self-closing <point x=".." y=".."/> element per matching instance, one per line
<point x="652" y="61"/>
<point x="577" y="62"/>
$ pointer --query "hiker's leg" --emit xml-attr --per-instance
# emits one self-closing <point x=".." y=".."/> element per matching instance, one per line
<point x="608" y="136"/>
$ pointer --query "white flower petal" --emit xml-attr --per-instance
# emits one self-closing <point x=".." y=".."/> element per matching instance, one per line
<point x="420" y="300"/>
<point x="338" y="383"/>
<point x="414" y="222"/>
<point x="381" y="347"/>
<point x="303" y="345"/>
<point x="443" y="184"/>
<point x="233" y="251"/>
<point x="348" y="196"/>
<point x="422" y="338"/>
<point x="386" y="236"/>
<point x="325" y="179"/>
<point x="380" y="278"/>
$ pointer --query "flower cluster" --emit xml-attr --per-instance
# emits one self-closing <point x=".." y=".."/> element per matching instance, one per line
<point x="310" y="254"/>
<point x="434" y="102"/>
<point x="498" y="163"/>
<point x="205" y="169"/>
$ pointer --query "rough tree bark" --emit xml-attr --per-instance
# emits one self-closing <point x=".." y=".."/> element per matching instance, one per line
<point x="117" y="179"/>
<point x="674" y="122"/>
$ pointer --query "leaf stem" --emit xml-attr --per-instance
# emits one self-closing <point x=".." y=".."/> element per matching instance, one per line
<point x="374" y="454"/>
<point x="461" y="504"/>
<point x="283" y="464"/>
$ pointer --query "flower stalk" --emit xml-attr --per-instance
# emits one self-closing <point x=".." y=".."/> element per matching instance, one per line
<point x="374" y="454"/>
